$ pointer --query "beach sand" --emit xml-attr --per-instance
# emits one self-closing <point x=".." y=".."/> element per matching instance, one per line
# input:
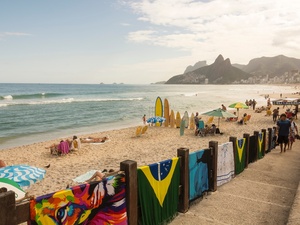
<point x="157" y="144"/>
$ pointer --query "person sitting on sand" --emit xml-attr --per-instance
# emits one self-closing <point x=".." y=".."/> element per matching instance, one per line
<point x="243" y="119"/>
<point x="98" y="176"/>
<point x="2" y="163"/>
<point x="75" y="144"/>
<point x="62" y="148"/>
<point x="94" y="140"/>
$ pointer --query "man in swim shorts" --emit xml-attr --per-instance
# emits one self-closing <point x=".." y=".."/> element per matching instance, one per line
<point x="284" y="129"/>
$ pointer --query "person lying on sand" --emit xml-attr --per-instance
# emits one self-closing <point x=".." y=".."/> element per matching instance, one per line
<point x="2" y="163"/>
<point x="94" y="140"/>
<point x="98" y="176"/>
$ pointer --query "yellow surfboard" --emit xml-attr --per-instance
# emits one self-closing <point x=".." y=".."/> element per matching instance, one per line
<point x="158" y="107"/>
<point x="166" y="112"/>
<point x="172" y="119"/>
<point x="192" y="122"/>
<point x="178" y="120"/>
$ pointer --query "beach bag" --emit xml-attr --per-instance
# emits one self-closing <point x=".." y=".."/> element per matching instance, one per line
<point x="218" y="131"/>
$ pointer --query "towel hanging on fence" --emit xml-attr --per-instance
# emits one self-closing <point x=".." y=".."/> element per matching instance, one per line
<point x="225" y="171"/>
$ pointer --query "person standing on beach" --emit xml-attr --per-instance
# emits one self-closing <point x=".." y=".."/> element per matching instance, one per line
<point x="224" y="107"/>
<point x="284" y="129"/>
<point x="144" y="119"/>
<point x="254" y="104"/>
<point x="196" y="120"/>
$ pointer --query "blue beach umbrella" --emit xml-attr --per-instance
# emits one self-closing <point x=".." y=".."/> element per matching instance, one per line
<point x="23" y="175"/>
<point x="156" y="119"/>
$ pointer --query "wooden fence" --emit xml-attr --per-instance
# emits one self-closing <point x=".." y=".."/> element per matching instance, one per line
<point x="12" y="212"/>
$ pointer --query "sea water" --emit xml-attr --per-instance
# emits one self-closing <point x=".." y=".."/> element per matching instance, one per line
<point x="38" y="112"/>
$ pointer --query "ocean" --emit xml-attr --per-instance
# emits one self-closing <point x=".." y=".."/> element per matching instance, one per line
<point x="31" y="113"/>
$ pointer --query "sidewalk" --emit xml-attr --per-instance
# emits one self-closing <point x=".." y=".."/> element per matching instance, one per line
<point x="263" y="194"/>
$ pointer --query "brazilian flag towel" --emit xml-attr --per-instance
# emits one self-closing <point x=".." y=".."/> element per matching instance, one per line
<point x="240" y="156"/>
<point x="158" y="186"/>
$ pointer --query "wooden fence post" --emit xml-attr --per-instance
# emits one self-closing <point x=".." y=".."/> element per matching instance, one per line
<point x="130" y="168"/>
<point x="233" y="140"/>
<point x="269" y="140"/>
<point x="183" y="204"/>
<point x="7" y="208"/>
<point x="263" y="145"/>
<point x="247" y="137"/>
<point x="213" y="145"/>
<point x="256" y="133"/>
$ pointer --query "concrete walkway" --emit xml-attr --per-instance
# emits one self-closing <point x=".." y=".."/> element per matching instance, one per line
<point x="265" y="193"/>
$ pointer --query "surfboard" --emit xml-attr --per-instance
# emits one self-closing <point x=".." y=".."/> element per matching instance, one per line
<point x="172" y="119"/>
<point x="166" y="112"/>
<point x="192" y="122"/>
<point x="186" y="119"/>
<point x="178" y="120"/>
<point x="158" y="107"/>
<point x="12" y="186"/>
<point x="182" y="126"/>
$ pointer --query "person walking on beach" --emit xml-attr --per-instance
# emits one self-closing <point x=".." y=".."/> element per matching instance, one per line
<point x="275" y="114"/>
<point x="284" y="129"/>
<point x="294" y="131"/>
<point x="144" y="119"/>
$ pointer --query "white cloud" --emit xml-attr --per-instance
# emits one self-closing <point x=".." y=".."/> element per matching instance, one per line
<point x="10" y="34"/>
<point x="15" y="34"/>
<point x="238" y="29"/>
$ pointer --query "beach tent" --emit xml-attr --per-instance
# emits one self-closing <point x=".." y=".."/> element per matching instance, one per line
<point x="286" y="101"/>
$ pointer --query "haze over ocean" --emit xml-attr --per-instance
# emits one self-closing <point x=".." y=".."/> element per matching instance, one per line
<point x="37" y="112"/>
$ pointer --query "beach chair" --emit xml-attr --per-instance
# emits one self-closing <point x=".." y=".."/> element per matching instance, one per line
<point x="138" y="131"/>
<point x="210" y="120"/>
<point x="54" y="151"/>
<point x="247" y="118"/>
<point x="145" y="128"/>
<point x="201" y="129"/>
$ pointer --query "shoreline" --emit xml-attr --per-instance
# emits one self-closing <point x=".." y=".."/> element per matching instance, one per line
<point x="157" y="144"/>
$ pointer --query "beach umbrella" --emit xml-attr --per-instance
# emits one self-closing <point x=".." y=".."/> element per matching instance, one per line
<point x="12" y="186"/>
<point x="156" y="119"/>
<point x="23" y="175"/>
<point x="219" y="113"/>
<point x="238" y="105"/>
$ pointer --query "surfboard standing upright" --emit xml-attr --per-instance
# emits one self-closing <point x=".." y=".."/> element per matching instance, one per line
<point x="166" y="112"/>
<point x="158" y="109"/>
<point x="178" y="120"/>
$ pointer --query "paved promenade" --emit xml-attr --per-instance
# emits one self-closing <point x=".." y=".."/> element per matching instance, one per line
<point x="265" y="193"/>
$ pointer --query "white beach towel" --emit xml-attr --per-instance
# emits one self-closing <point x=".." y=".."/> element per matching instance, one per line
<point x="225" y="171"/>
<point x="85" y="176"/>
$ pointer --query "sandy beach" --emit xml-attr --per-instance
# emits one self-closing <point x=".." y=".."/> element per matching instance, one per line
<point x="157" y="144"/>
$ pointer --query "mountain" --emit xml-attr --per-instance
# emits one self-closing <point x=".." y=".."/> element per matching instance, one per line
<point x="196" y="66"/>
<point x="272" y="66"/>
<point x="220" y="72"/>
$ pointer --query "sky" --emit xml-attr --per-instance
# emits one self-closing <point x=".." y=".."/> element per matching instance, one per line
<point x="138" y="41"/>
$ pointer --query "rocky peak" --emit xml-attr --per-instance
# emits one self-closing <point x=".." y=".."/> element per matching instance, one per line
<point x="219" y="59"/>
